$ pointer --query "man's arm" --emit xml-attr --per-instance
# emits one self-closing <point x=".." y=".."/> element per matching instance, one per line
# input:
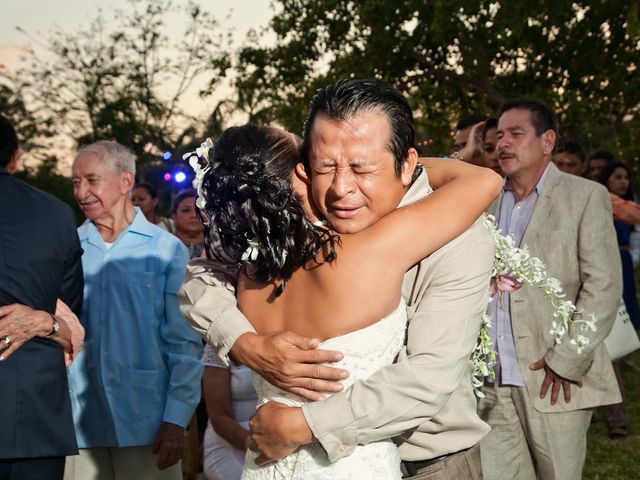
<point x="601" y="279"/>
<point x="285" y="359"/>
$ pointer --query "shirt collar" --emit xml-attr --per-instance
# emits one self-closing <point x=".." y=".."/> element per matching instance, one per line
<point x="419" y="189"/>
<point x="139" y="225"/>
<point x="539" y="186"/>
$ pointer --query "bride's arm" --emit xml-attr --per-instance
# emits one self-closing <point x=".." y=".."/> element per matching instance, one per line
<point x="465" y="192"/>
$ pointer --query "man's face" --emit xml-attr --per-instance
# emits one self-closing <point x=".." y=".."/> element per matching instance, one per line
<point x="596" y="165"/>
<point x="353" y="179"/>
<point x="489" y="151"/>
<point x="569" y="163"/>
<point x="460" y="138"/>
<point x="96" y="187"/>
<point x="520" y="150"/>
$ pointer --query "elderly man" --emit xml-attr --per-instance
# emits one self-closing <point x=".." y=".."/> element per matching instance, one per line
<point x="39" y="262"/>
<point x="136" y="383"/>
<point x="426" y="398"/>
<point x="540" y="406"/>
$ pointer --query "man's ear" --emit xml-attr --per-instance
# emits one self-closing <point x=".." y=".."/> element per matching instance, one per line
<point x="548" y="142"/>
<point x="408" y="167"/>
<point x="127" y="181"/>
<point x="301" y="173"/>
<point x="12" y="166"/>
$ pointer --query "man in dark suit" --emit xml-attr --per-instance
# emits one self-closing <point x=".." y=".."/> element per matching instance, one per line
<point x="40" y="261"/>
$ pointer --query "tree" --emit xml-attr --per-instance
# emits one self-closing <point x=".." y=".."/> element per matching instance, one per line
<point x="452" y="58"/>
<point x="123" y="79"/>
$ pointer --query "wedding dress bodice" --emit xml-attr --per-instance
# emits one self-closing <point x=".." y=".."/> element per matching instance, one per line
<point x="365" y="351"/>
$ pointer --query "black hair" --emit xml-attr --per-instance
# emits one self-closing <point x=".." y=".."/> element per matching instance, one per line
<point x="608" y="170"/>
<point x="151" y="190"/>
<point x="469" y="121"/>
<point x="489" y="123"/>
<point x="603" y="155"/>
<point x="182" y="195"/>
<point x="345" y="99"/>
<point x="8" y="141"/>
<point x="543" y="117"/>
<point x="250" y="202"/>
<point x="572" y="148"/>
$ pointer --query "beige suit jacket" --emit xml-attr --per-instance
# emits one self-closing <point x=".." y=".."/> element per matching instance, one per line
<point x="426" y="398"/>
<point x="571" y="231"/>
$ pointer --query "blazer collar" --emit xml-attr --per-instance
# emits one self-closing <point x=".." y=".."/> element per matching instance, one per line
<point x="3" y="171"/>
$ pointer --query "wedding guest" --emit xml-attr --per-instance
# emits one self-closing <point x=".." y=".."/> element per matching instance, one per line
<point x="145" y="196"/>
<point x="231" y="400"/>
<point x="596" y="163"/>
<point x="489" y="141"/>
<point x="467" y="140"/>
<point x="540" y="405"/>
<point x="188" y="226"/>
<point x="570" y="158"/>
<point x="617" y="178"/>
<point x="39" y="262"/>
<point x="136" y="383"/>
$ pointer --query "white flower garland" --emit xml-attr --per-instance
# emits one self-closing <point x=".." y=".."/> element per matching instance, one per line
<point x="519" y="263"/>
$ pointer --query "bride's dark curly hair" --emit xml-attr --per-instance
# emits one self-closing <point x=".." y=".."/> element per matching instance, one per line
<point x="251" y="202"/>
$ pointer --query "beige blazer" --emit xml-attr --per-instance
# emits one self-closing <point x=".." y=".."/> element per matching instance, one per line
<point x="571" y="231"/>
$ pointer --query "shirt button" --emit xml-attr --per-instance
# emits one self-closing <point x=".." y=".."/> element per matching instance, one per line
<point x="342" y="448"/>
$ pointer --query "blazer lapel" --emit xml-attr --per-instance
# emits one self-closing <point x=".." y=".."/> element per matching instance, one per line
<point x="543" y="206"/>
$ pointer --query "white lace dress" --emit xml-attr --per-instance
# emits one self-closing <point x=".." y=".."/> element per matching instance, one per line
<point x="365" y="351"/>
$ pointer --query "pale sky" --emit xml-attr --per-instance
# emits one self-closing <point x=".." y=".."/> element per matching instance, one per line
<point x="39" y="17"/>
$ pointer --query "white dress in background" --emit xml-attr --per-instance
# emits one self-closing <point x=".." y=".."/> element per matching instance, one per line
<point x="222" y="461"/>
<point x="365" y="351"/>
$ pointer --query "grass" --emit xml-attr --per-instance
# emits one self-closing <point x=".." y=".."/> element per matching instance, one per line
<point x="616" y="459"/>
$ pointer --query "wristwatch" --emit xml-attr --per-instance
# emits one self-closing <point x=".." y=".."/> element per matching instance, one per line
<point x="55" y="326"/>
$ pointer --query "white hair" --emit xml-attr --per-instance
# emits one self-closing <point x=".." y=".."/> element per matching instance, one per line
<point x="118" y="157"/>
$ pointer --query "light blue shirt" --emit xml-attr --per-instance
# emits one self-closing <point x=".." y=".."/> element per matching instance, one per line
<point x="140" y="365"/>
<point x="513" y="219"/>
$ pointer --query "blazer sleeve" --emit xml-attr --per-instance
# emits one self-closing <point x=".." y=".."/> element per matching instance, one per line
<point x="441" y="336"/>
<point x="601" y="284"/>
<point x="208" y="303"/>
<point x="72" y="286"/>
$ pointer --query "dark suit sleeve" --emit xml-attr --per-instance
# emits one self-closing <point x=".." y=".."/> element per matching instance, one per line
<point x="71" y="289"/>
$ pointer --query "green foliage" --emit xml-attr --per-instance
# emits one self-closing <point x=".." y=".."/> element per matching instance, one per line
<point x="453" y="58"/>
<point x="121" y="78"/>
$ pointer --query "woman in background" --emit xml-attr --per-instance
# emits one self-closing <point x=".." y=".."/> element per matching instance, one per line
<point x="187" y="225"/>
<point x="145" y="196"/>
<point x="617" y="178"/>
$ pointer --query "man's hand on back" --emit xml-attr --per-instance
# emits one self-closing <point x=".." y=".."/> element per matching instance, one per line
<point x="291" y="362"/>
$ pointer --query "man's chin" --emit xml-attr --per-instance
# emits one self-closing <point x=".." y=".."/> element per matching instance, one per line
<point x="349" y="225"/>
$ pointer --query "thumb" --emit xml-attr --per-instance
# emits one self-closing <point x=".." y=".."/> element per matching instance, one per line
<point x="537" y="365"/>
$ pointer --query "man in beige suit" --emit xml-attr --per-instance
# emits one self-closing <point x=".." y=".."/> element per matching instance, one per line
<point x="539" y="408"/>
<point x="426" y="398"/>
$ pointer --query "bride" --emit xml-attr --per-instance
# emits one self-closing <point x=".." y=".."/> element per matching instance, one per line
<point x="296" y="274"/>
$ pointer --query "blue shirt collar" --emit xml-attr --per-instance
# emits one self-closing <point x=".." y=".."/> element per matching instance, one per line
<point x="140" y="225"/>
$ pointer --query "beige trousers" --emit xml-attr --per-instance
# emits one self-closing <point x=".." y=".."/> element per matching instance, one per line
<point x="118" y="463"/>
<point x="524" y="442"/>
